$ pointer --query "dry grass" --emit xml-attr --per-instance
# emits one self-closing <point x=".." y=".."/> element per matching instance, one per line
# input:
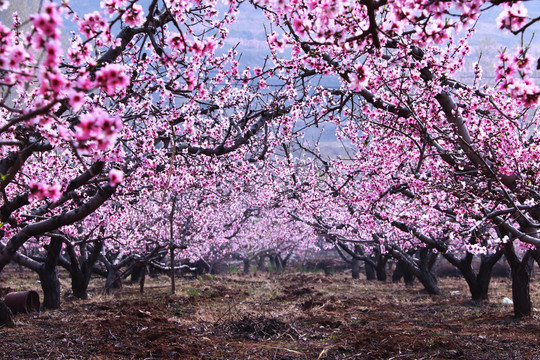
<point x="290" y="316"/>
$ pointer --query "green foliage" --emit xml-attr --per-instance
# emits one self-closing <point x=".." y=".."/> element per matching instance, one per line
<point x="193" y="291"/>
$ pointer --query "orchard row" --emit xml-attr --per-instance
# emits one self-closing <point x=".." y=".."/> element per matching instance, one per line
<point x="143" y="131"/>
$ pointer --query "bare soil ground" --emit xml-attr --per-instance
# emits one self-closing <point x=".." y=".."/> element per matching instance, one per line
<point x="286" y="316"/>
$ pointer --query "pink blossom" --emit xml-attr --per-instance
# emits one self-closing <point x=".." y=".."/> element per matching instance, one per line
<point x="44" y="25"/>
<point x="48" y="22"/>
<point x="52" y="81"/>
<point x="116" y="177"/>
<point x="97" y="129"/>
<point x="513" y="17"/>
<point x="134" y="15"/>
<point x="4" y="4"/>
<point x="91" y="24"/>
<point x="112" y="78"/>
<point x="275" y="43"/>
<point x="176" y="42"/>
<point x="52" y="54"/>
<point x="358" y="78"/>
<point x="111" y="6"/>
<point x="76" y="99"/>
<point x="191" y="80"/>
<point x="300" y="25"/>
<point x="40" y="191"/>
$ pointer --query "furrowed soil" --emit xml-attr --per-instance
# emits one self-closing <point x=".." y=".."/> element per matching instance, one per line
<point x="280" y="316"/>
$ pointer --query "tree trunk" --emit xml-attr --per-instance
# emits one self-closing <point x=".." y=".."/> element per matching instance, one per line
<point x="136" y="272"/>
<point x="355" y="265"/>
<point x="48" y="275"/>
<point x="422" y="267"/>
<point x="143" y="278"/>
<point x="402" y="271"/>
<point x="484" y="275"/>
<point x="247" y="265"/>
<point x="51" y="288"/>
<point x="113" y="280"/>
<point x="429" y="281"/>
<point x="408" y="277"/>
<point x="521" y="277"/>
<point x="261" y="266"/>
<point x="6" y="316"/>
<point x="370" y="271"/>
<point x="425" y="275"/>
<point x="173" y="271"/>
<point x="381" y="267"/>
<point x="79" y="285"/>
<point x="81" y="270"/>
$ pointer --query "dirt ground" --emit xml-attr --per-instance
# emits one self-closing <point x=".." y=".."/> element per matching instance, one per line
<point x="286" y="316"/>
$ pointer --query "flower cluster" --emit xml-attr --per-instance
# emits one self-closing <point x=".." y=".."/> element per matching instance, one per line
<point x="97" y="130"/>
<point x="115" y="177"/>
<point x="134" y="15"/>
<point x="92" y="24"/>
<point x="359" y="78"/>
<point x="112" y="78"/>
<point x="513" y="17"/>
<point x="48" y="22"/>
<point x="111" y="6"/>
<point x="40" y="191"/>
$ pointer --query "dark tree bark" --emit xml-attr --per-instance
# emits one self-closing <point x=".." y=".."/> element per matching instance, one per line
<point x="426" y="275"/>
<point x="521" y="277"/>
<point x="421" y="267"/>
<point x="113" y="263"/>
<point x="142" y="279"/>
<point x="478" y="283"/>
<point x="355" y="257"/>
<point x="380" y="269"/>
<point x="355" y="268"/>
<point x="261" y="263"/>
<point x="81" y="268"/>
<point x="136" y="271"/>
<point x="402" y="271"/>
<point x="6" y="317"/>
<point x="247" y="265"/>
<point x="53" y="223"/>
<point x="113" y="280"/>
<point x="173" y="271"/>
<point x="370" y="271"/>
<point x="46" y="270"/>
<point x="48" y="274"/>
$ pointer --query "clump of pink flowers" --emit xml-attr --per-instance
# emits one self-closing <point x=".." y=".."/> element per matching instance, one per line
<point x="112" y="78"/>
<point x="40" y="191"/>
<point x="115" y="177"/>
<point x="97" y="130"/>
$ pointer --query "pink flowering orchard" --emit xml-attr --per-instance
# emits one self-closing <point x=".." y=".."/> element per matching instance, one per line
<point x="140" y="120"/>
<point x="457" y="161"/>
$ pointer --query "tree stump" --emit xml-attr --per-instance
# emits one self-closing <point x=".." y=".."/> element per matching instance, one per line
<point x="6" y="317"/>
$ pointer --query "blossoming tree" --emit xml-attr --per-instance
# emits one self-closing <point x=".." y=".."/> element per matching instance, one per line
<point x="470" y="147"/>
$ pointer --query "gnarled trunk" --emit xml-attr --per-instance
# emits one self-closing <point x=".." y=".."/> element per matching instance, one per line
<point x="380" y="269"/>
<point x="81" y="269"/>
<point x="478" y="283"/>
<point x="247" y="265"/>
<point x="521" y="277"/>
<point x="48" y="275"/>
<point x="113" y="281"/>
<point x="422" y="267"/>
<point x="355" y="268"/>
<point x="6" y="316"/>
<point x="370" y="271"/>
<point x="402" y="271"/>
